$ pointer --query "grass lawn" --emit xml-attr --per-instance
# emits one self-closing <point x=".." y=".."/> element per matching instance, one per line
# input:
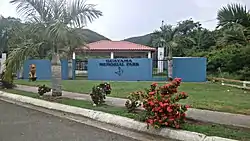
<point x="205" y="128"/>
<point x="208" y="95"/>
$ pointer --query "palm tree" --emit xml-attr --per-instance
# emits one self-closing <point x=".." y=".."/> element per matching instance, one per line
<point x="170" y="38"/>
<point x="165" y="37"/>
<point x="233" y="13"/>
<point x="54" y="23"/>
<point x="234" y="19"/>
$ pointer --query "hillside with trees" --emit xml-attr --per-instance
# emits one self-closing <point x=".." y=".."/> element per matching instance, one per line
<point x="143" y="40"/>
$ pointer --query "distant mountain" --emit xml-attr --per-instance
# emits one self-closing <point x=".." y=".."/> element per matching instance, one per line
<point x="143" y="40"/>
<point x="91" y="36"/>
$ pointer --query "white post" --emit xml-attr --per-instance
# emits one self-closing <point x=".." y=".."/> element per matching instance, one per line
<point x="149" y="54"/>
<point x="70" y="67"/>
<point x="111" y="55"/>
<point x="160" y="60"/>
<point x="74" y="55"/>
<point x="244" y="84"/>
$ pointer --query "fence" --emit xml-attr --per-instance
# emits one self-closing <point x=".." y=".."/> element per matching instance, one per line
<point x="81" y="71"/>
<point x="160" y="68"/>
<point x="232" y="83"/>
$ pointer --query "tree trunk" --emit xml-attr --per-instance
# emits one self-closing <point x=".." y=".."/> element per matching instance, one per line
<point x="70" y="71"/>
<point x="56" y="75"/>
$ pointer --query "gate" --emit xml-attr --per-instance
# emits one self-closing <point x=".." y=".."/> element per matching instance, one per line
<point x="81" y="70"/>
<point x="160" y="69"/>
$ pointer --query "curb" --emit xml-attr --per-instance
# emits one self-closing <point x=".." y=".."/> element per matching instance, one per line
<point x="114" y="119"/>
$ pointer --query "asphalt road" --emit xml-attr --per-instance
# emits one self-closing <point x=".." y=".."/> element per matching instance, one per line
<point x="22" y="124"/>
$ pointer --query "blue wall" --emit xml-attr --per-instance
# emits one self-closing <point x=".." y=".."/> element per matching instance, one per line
<point x="190" y="69"/>
<point x="113" y="69"/>
<point x="43" y="69"/>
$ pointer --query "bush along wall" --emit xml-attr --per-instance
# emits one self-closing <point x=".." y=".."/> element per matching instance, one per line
<point x="160" y="104"/>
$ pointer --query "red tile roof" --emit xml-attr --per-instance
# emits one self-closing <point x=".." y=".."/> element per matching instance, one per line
<point x="105" y="45"/>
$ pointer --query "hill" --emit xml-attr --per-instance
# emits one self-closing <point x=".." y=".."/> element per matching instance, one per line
<point x="143" y="40"/>
<point x="91" y="36"/>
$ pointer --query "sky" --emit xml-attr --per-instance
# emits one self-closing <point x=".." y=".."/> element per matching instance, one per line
<point x="128" y="18"/>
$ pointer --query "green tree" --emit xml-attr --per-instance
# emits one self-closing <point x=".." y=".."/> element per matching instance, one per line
<point x="175" y="40"/>
<point x="6" y="24"/>
<point x="54" y="23"/>
<point x="165" y="38"/>
<point x="232" y="47"/>
<point x="233" y="13"/>
<point x="234" y="19"/>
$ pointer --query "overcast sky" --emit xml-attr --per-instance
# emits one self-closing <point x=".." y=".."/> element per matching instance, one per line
<point x="127" y="18"/>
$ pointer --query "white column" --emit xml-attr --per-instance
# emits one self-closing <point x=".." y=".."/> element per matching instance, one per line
<point x="74" y="55"/>
<point x="111" y="55"/>
<point x="160" y="61"/>
<point x="149" y="54"/>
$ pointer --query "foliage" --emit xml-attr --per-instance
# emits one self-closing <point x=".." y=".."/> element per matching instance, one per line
<point x="233" y="13"/>
<point x="226" y="47"/>
<point x="161" y="104"/>
<point x="43" y="89"/>
<point x="134" y="100"/>
<point x="162" y="107"/>
<point x="6" y="25"/>
<point x="7" y="84"/>
<point x="100" y="92"/>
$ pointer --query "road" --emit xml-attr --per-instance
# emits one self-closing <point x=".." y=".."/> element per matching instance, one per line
<point x="22" y="124"/>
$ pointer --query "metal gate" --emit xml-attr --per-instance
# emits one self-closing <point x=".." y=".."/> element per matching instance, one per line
<point x="81" y="69"/>
<point x="160" y="69"/>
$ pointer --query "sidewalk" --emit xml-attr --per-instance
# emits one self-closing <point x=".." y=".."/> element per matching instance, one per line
<point x="196" y="114"/>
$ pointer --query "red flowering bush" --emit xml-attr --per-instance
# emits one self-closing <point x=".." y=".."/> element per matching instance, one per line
<point x="161" y="107"/>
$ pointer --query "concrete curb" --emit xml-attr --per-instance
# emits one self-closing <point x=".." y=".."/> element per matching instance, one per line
<point x="114" y="119"/>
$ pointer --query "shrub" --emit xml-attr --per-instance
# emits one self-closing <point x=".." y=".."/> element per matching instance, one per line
<point x="99" y="93"/>
<point x="134" y="101"/>
<point x="162" y="107"/>
<point x="4" y="84"/>
<point x="160" y="104"/>
<point x="43" y="89"/>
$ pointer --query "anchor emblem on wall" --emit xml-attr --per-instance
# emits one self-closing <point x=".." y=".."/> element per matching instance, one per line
<point x="119" y="72"/>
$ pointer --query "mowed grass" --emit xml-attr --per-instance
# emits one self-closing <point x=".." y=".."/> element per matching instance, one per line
<point x="205" y="128"/>
<point x="205" y="95"/>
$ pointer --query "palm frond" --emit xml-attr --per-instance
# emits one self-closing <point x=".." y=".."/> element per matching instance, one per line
<point x="233" y="13"/>
<point x="24" y="42"/>
<point x="18" y="55"/>
<point x="77" y="13"/>
<point x="235" y="34"/>
<point x="34" y="10"/>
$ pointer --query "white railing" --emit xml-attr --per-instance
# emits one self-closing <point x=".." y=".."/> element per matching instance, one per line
<point x="236" y="83"/>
